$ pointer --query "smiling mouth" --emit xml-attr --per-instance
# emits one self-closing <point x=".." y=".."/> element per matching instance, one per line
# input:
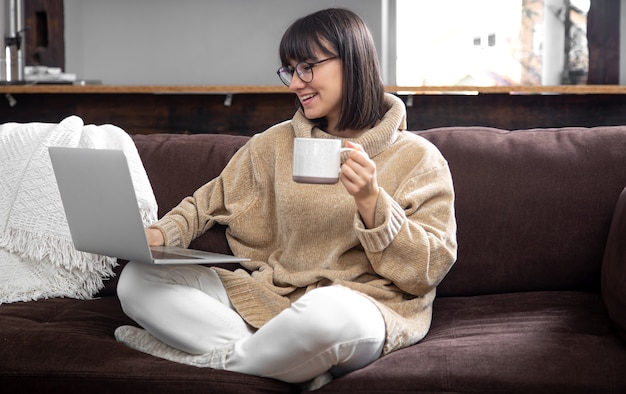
<point x="304" y="99"/>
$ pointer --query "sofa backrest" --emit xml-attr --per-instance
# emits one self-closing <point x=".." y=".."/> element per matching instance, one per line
<point x="178" y="164"/>
<point x="533" y="207"/>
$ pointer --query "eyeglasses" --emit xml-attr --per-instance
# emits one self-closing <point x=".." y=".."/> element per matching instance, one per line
<point x="304" y="71"/>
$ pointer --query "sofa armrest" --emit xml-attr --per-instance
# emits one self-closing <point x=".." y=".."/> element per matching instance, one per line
<point x="614" y="267"/>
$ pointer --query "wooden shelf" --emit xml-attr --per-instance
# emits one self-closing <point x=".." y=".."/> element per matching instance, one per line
<point x="247" y="110"/>
<point x="136" y="89"/>
<point x="557" y="89"/>
<point x="234" y="89"/>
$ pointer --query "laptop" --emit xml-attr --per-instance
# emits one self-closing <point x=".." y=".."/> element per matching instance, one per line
<point x="103" y="213"/>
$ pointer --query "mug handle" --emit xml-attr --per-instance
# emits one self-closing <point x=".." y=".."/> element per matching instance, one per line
<point x="344" y="155"/>
<point x="342" y="150"/>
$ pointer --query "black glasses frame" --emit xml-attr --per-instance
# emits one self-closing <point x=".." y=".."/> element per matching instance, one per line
<point x="301" y="69"/>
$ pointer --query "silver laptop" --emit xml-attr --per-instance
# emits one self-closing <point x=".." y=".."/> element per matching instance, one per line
<point x="102" y="210"/>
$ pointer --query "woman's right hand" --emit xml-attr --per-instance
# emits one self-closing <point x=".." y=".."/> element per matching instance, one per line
<point x="155" y="237"/>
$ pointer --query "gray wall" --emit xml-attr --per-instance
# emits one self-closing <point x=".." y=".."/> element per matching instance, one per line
<point x="206" y="42"/>
<point x="188" y="42"/>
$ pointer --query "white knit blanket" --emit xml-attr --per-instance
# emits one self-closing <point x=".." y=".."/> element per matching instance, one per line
<point x="37" y="256"/>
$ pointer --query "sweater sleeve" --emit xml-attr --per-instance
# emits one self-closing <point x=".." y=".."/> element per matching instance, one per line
<point x="219" y="201"/>
<point x="414" y="241"/>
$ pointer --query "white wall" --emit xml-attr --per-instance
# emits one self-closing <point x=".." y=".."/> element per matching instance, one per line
<point x="188" y="42"/>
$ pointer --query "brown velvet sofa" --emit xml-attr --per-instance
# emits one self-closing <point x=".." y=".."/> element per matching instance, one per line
<point x="535" y="303"/>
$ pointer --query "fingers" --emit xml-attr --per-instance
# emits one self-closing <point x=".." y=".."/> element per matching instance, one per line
<point x="358" y="160"/>
<point x="154" y="237"/>
<point x="358" y="173"/>
<point x="357" y="147"/>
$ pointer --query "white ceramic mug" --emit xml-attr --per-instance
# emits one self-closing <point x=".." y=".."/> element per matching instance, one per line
<point x="317" y="160"/>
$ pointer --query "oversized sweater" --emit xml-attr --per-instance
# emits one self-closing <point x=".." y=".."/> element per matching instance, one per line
<point x="303" y="236"/>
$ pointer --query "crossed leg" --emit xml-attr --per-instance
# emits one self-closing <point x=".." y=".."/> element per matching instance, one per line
<point x="186" y="307"/>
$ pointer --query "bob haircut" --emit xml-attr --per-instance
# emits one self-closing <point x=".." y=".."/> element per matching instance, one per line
<point x="340" y="32"/>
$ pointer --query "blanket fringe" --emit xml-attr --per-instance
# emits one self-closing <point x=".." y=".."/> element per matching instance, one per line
<point x="37" y="255"/>
<point x="46" y="281"/>
<point x="57" y="251"/>
<point x="55" y="264"/>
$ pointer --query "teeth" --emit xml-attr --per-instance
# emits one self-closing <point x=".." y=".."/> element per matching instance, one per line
<point x="308" y="96"/>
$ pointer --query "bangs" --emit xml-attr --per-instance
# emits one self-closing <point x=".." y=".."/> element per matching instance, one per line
<point x="338" y="32"/>
<point x="302" y="41"/>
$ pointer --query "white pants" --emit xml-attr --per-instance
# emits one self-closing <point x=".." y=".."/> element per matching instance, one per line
<point x="328" y="329"/>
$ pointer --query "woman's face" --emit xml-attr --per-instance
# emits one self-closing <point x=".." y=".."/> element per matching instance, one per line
<point x="322" y="96"/>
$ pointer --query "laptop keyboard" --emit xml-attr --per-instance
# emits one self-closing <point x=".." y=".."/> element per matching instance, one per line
<point x="160" y="255"/>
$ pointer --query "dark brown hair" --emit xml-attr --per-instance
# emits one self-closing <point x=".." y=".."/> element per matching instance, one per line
<point x="343" y="33"/>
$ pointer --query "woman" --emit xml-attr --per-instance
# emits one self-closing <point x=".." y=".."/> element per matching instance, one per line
<point x="339" y="274"/>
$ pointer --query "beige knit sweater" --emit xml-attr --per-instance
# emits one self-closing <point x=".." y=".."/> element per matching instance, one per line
<point x="302" y="236"/>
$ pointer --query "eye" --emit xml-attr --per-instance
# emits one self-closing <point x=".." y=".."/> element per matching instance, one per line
<point x="304" y="68"/>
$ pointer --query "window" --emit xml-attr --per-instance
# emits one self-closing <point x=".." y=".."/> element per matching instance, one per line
<point x="491" y="42"/>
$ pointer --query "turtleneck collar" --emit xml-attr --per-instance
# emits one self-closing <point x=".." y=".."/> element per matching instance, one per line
<point x="375" y="140"/>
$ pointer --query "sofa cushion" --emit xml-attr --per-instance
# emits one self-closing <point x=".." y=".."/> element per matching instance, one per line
<point x="535" y="342"/>
<point x="67" y="346"/>
<point x="533" y="206"/>
<point x="614" y="267"/>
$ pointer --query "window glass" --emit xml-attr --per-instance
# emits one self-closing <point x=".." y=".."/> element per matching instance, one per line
<point x="491" y="42"/>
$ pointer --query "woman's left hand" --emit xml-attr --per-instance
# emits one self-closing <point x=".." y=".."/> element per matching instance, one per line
<point x="358" y="175"/>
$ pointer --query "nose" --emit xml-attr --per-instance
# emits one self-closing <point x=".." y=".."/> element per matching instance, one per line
<point x="296" y="83"/>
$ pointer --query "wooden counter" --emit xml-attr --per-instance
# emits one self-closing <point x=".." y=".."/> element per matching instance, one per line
<point x="235" y="89"/>
<point x="136" y="89"/>
<point x="251" y="109"/>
